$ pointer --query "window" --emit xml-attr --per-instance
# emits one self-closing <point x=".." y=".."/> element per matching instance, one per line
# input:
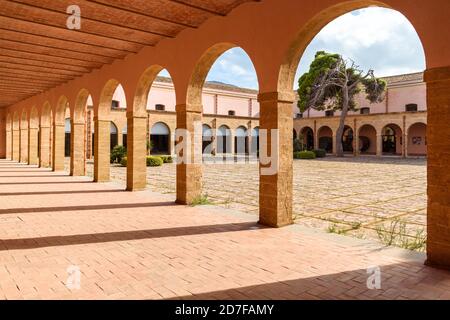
<point x="231" y="112"/>
<point x="160" y="107"/>
<point x="115" y="104"/>
<point x="365" y="110"/>
<point x="412" y="107"/>
<point x="299" y="115"/>
<point x="329" y="113"/>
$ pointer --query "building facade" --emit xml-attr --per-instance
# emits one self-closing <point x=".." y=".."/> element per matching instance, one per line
<point x="231" y="121"/>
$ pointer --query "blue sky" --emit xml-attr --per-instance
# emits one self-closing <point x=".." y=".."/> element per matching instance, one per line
<point x="375" y="38"/>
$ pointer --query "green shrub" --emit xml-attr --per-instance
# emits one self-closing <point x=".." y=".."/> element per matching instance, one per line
<point x="124" y="162"/>
<point x="117" y="153"/>
<point x="298" y="145"/>
<point x="320" y="153"/>
<point x="166" y="159"/>
<point x="304" y="155"/>
<point x="153" y="161"/>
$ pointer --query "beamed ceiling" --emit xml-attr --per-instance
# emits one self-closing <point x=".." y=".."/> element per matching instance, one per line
<point x="38" y="51"/>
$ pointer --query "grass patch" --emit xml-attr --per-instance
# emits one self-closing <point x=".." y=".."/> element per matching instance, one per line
<point x="201" y="200"/>
<point x="395" y="235"/>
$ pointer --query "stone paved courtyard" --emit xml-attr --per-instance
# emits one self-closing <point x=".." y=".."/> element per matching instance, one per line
<point x="141" y="245"/>
<point x="383" y="199"/>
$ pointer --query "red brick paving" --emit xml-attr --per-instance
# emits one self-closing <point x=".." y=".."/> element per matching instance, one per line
<point x="141" y="245"/>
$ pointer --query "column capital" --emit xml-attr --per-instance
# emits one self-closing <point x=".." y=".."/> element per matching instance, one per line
<point x="437" y="74"/>
<point x="184" y="107"/>
<point x="284" y="97"/>
<point x="136" y="115"/>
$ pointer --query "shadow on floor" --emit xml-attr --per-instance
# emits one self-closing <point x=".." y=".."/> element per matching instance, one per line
<point x="398" y="281"/>
<point x="44" y="182"/>
<point x="89" y="207"/>
<point x="33" y="243"/>
<point x="40" y="193"/>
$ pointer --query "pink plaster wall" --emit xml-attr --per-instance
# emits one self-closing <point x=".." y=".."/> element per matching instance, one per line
<point x="417" y="141"/>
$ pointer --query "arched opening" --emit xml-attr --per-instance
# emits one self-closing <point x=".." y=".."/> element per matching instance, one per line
<point x="241" y="141"/>
<point x="325" y="136"/>
<point x="417" y="139"/>
<point x="347" y="139"/>
<point x="294" y="134"/>
<point x="223" y="140"/>
<point x="392" y="139"/>
<point x="160" y="139"/>
<point x="111" y="97"/>
<point x="307" y="138"/>
<point x="367" y="139"/>
<point x="67" y="137"/>
<point x="207" y="140"/>
<point x="114" y="136"/>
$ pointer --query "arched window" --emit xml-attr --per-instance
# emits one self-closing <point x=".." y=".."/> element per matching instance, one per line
<point x="206" y="139"/>
<point x="160" y="139"/>
<point x="241" y="141"/>
<point x="223" y="139"/>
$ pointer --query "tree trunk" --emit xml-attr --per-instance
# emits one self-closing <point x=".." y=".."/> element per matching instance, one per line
<point x="340" y="130"/>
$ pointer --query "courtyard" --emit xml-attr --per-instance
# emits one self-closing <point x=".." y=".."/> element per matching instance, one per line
<point x="381" y="199"/>
<point x="105" y="243"/>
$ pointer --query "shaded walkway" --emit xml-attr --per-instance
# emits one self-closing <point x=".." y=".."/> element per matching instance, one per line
<point x="141" y="245"/>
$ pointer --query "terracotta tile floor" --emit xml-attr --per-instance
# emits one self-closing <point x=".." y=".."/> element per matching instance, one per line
<point x="141" y="245"/>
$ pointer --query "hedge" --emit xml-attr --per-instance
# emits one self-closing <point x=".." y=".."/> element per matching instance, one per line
<point x="123" y="162"/>
<point x="166" y="159"/>
<point x="320" y="153"/>
<point x="304" y="155"/>
<point x="153" y="161"/>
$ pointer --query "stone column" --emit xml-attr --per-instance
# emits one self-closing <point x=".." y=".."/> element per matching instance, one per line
<point x="16" y="144"/>
<point x="136" y="152"/>
<point x="77" y="149"/>
<point x="405" y="146"/>
<point x="189" y="171"/>
<point x="334" y="152"/>
<point x="23" y="157"/>
<point x="33" y="146"/>
<point x="58" y="146"/>
<point x="438" y="138"/>
<point x="9" y="144"/>
<point x="101" y="149"/>
<point x="44" y="159"/>
<point x="379" y="145"/>
<point x="356" y="144"/>
<point x="275" y="190"/>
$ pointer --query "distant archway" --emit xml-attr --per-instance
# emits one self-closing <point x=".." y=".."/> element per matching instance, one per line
<point x="160" y="138"/>
<point x="325" y="137"/>
<point x="392" y="139"/>
<point x="417" y="139"/>
<point x="367" y="139"/>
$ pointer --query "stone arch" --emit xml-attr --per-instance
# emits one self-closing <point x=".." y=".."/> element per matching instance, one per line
<point x="309" y="30"/>
<point x="325" y="138"/>
<point x="367" y="139"/>
<point x="201" y="70"/>
<point x="392" y="139"/>
<point x="306" y="136"/>
<point x="417" y="139"/>
<point x="80" y="104"/>
<point x="139" y="107"/>
<point x="45" y="136"/>
<point x="34" y="118"/>
<point x="60" y="110"/>
<point x="46" y="114"/>
<point x="102" y="112"/>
